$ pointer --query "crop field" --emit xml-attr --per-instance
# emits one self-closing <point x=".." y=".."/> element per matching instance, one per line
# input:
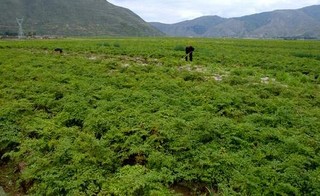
<point x="129" y="116"/>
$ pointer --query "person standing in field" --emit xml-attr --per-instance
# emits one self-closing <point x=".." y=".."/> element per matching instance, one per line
<point x="189" y="51"/>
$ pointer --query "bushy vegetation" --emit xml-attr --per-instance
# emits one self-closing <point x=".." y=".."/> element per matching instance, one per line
<point x="129" y="116"/>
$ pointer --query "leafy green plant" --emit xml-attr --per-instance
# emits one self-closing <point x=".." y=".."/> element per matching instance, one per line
<point x="129" y="116"/>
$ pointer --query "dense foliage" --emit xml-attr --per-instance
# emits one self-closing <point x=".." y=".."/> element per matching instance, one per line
<point x="131" y="117"/>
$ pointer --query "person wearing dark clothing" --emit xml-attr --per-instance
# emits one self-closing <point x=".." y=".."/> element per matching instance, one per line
<point x="189" y="51"/>
<point x="58" y="50"/>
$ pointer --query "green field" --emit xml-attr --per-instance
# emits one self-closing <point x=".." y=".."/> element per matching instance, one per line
<point x="129" y="116"/>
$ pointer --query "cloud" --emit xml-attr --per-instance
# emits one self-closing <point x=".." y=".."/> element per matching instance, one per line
<point x="169" y="11"/>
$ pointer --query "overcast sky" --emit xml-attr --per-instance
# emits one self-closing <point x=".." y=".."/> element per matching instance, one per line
<point x="172" y="11"/>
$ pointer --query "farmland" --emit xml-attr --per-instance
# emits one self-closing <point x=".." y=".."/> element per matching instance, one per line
<point x="129" y="116"/>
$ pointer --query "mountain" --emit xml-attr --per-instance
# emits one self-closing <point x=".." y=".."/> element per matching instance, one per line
<point x="299" y="23"/>
<point x="72" y="17"/>
<point x="196" y="27"/>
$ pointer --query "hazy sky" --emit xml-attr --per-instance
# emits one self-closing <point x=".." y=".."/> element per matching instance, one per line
<point x="172" y="11"/>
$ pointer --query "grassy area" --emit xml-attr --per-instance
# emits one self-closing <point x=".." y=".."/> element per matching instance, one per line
<point x="129" y="116"/>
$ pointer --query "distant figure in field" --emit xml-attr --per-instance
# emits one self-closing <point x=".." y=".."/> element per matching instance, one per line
<point x="58" y="50"/>
<point x="189" y="51"/>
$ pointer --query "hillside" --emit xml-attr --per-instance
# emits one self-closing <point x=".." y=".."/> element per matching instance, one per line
<point x="72" y="17"/>
<point x="300" y="23"/>
<point x="196" y="27"/>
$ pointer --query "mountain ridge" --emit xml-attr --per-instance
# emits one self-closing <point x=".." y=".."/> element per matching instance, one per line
<point x="286" y="23"/>
<point x="72" y="18"/>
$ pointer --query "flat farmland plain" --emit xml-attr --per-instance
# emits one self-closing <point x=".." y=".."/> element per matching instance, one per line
<point x="129" y="116"/>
